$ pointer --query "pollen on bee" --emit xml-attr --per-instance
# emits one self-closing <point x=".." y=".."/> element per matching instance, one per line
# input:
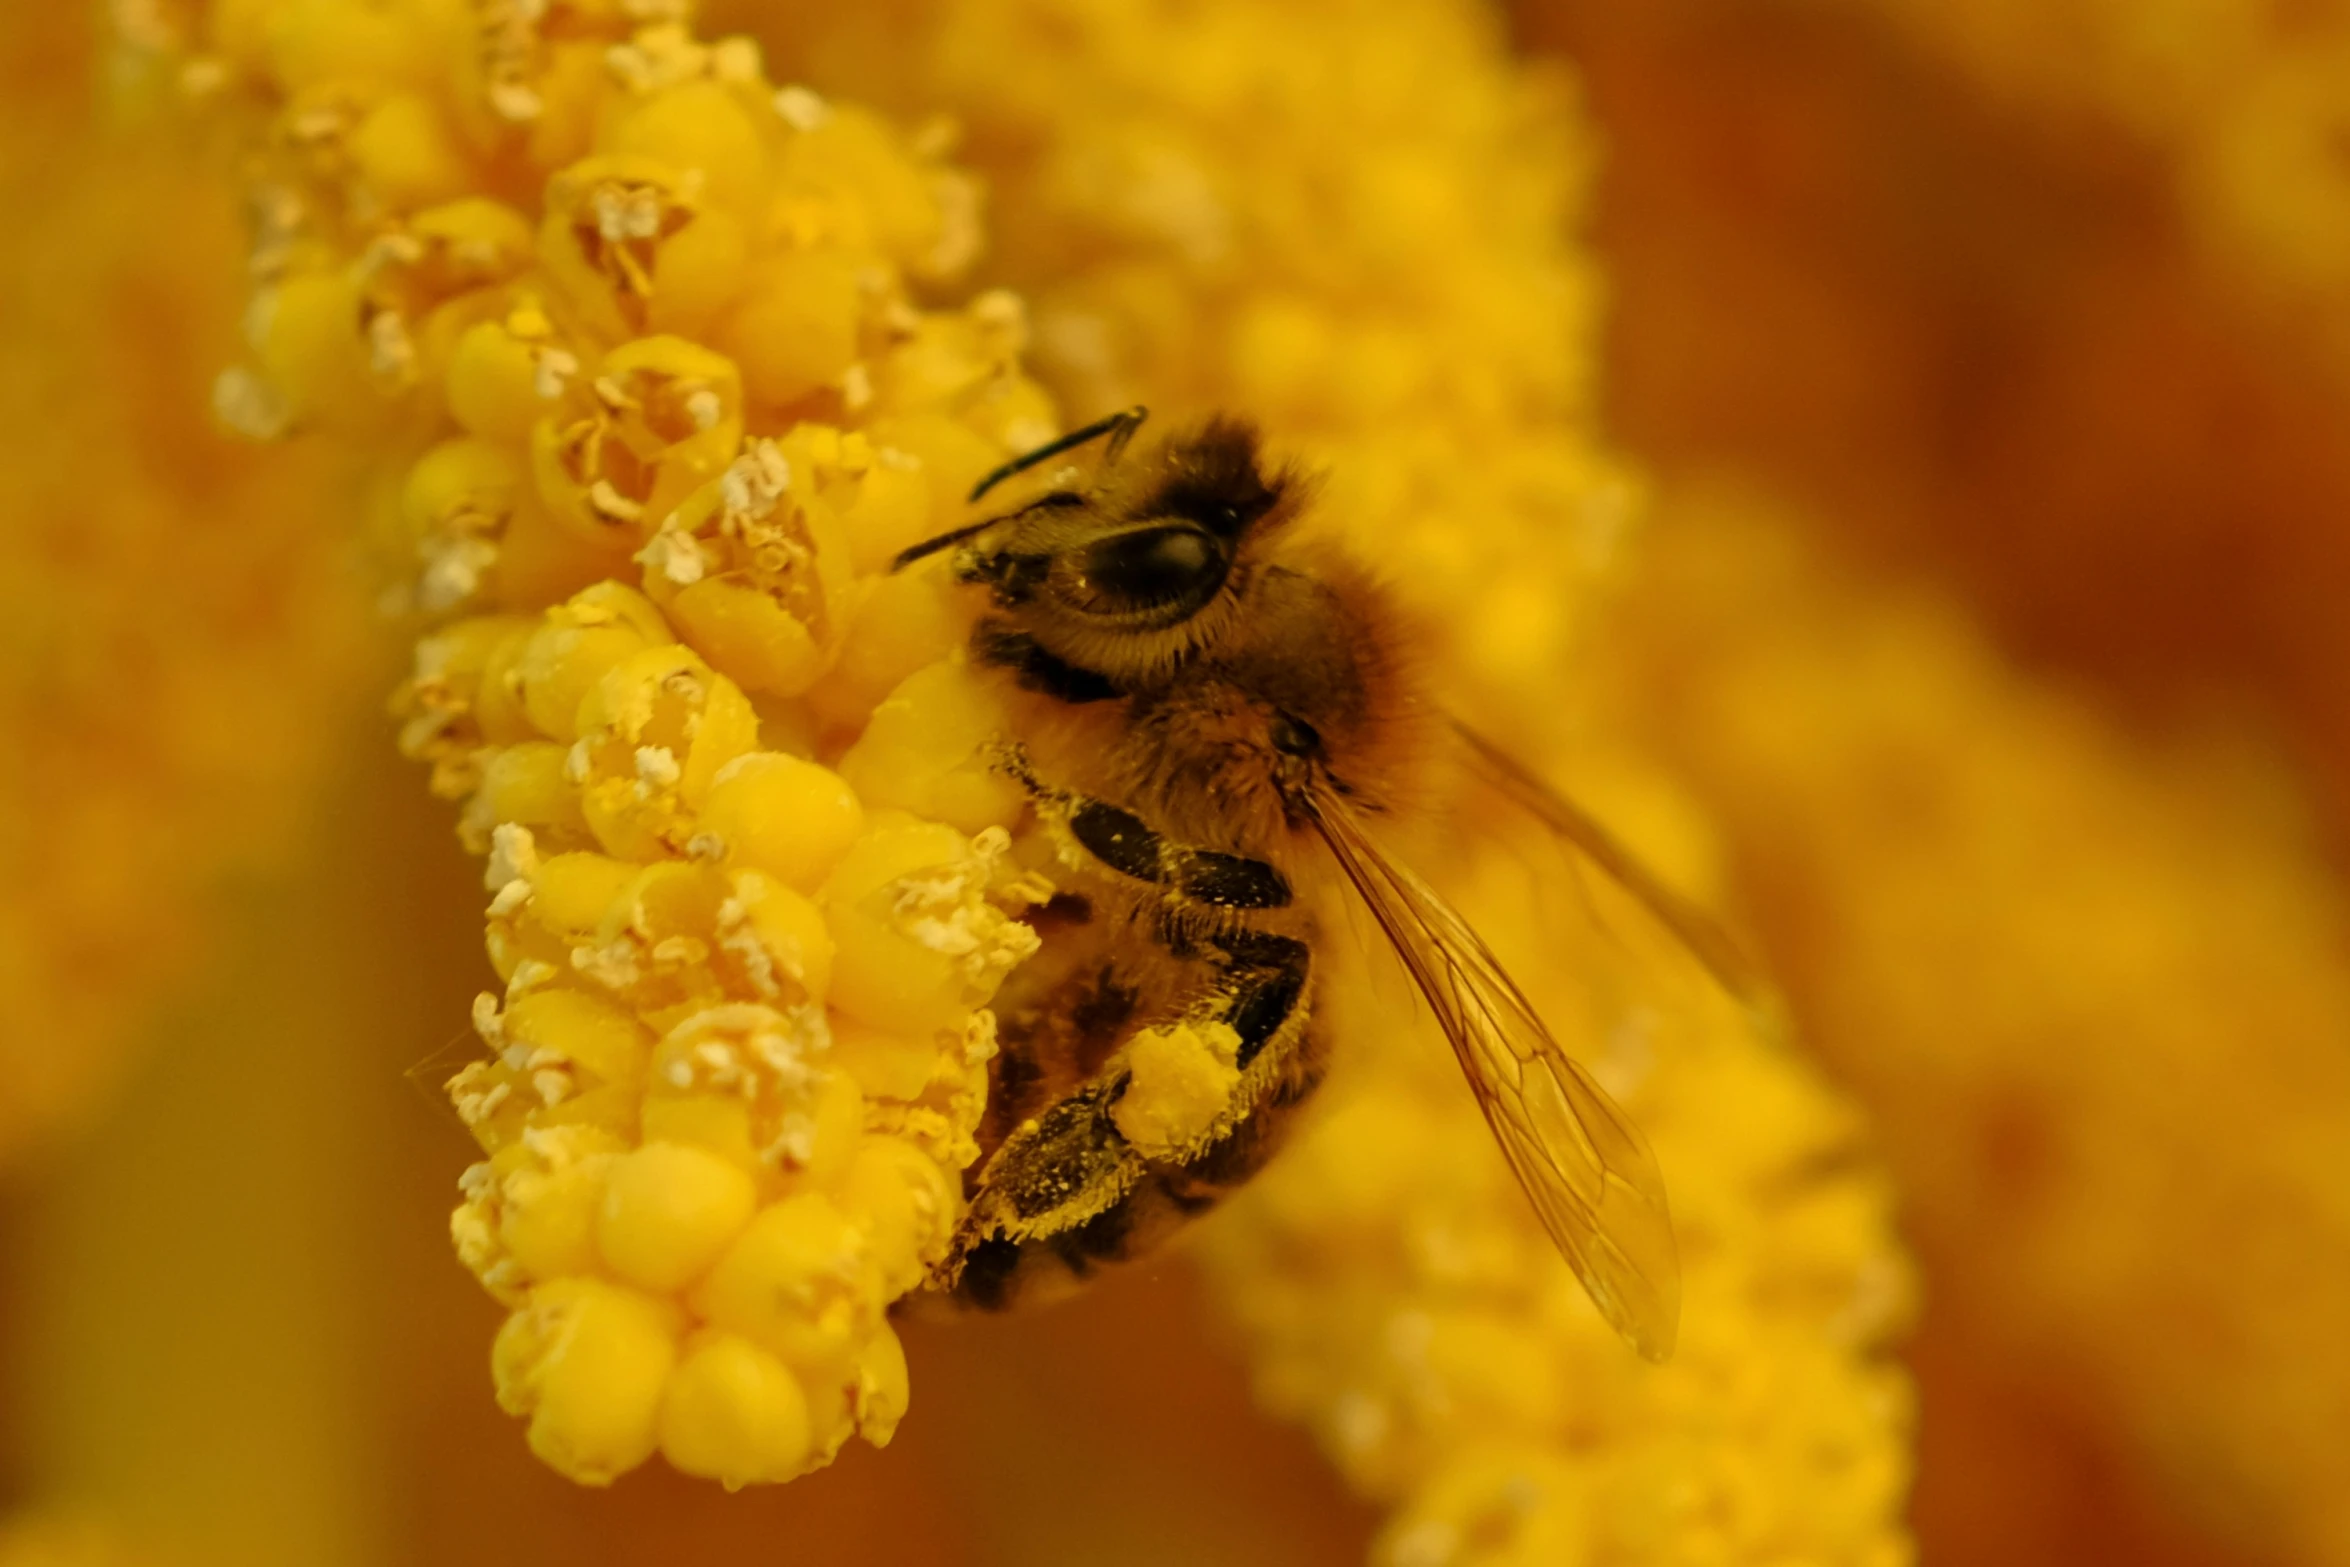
<point x="1180" y="1087"/>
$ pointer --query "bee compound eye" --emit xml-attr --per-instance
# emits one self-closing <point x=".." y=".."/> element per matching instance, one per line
<point x="1294" y="736"/>
<point x="1151" y="568"/>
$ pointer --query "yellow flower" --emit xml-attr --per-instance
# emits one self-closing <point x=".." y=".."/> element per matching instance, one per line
<point x="1271" y="210"/>
<point x="2092" y="988"/>
<point x="741" y="844"/>
<point x="2248" y="104"/>
<point x="625" y="332"/>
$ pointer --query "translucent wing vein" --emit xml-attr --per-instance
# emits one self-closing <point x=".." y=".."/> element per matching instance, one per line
<point x="1584" y="1165"/>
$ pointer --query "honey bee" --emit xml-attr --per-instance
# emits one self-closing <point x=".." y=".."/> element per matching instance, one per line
<point x="1209" y="705"/>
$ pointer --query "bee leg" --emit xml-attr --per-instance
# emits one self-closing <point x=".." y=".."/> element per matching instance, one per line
<point x="1066" y="1185"/>
<point x="1068" y="1191"/>
<point x="1057" y="1172"/>
<point x="1130" y="846"/>
<point x="1052" y="1040"/>
<point x="1266" y="976"/>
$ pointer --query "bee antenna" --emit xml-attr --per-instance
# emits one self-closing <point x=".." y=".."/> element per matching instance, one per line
<point x="907" y="557"/>
<point x="1119" y="427"/>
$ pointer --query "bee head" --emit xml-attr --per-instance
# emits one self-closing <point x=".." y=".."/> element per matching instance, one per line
<point x="1262" y="664"/>
<point x="1143" y="553"/>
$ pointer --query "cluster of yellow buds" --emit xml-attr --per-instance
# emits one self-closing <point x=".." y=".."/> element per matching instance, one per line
<point x="627" y="330"/>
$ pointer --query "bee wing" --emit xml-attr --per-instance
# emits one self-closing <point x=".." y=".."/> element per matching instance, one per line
<point x="1584" y="1165"/>
<point x="1582" y="835"/>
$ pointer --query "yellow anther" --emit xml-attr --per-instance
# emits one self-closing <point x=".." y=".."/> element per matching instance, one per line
<point x="547" y="1190"/>
<point x="917" y="942"/>
<point x="801" y="1282"/>
<point x="456" y="505"/>
<point x="669" y="1210"/>
<point x="752" y="567"/>
<point x="599" y="1043"/>
<point x="879" y="1396"/>
<point x="494" y="383"/>
<point x="408" y="155"/>
<point x="775" y="939"/>
<point x="927" y="751"/>
<point x="897" y="625"/>
<point x="586" y="1361"/>
<point x="743" y="631"/>
<point x="948" y="454"/>
<point x="906" y="1204"/>
<point x="568" y="656"/>
<point x="753" y="1082"/>
<point x="734" y="1413"/>
<point x="780" y="814"/>
<point x="456" y="701"/>
<point x="654" y="731"/>
<point x="853" y="180"/>
<point x="888" y="511"/>
<point x="632" y="251"/>
<point x="797" y="326"/>
<point x="472" y="241"/>
<point x="707" y="131"/>
<point x="887" y="1066"/>
<point x="572" y="893"/>
<point x="659" y="418"/>
<point x="314" y="353"/>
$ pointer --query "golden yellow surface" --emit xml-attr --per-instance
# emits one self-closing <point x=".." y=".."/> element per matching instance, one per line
<point x="2248" y="102"/>
<point x="2137" y="1081"/>
<point x="652" y="367"/>
<point x="165" y="669"/>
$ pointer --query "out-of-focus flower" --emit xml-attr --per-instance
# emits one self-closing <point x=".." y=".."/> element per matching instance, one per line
<point x="1976" y="333"/>
<point x="179" y="632"/>
<point x="2093" y="991"/>
<point x="1984" y="329"/>
<point x="2247" y="110"/>
<point x="70" y="1542"/>
<point x="2249" y="103"/>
